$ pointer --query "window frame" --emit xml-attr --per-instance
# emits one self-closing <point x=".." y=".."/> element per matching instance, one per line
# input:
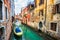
<point x="53" y="25"/>
<point x="56" y="26"/>
<point x="6" y="13"/>
<point x="5" y="7"/>
<point x="2" y="11"/>
<point x="41" y="2"/>
<point x="41" y="12"/>
<point x="58" y="8"/>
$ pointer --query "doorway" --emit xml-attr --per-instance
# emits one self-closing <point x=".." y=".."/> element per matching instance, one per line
<point x="2" y="33"/>
<point x="40" y="24"/>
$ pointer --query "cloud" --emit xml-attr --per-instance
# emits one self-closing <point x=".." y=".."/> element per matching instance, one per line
<point x="20" y="4"/>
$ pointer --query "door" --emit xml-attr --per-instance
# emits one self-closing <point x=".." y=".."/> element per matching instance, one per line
<point x="40" y="24"/>
<point x="2" y="33"/>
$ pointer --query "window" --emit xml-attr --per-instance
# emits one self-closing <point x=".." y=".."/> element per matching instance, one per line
<point x="58" y="8"/>
<point x="41" y="2"/>
<point x="0" y="10"/>
<point x="6" y="11"/>
<point x="53" y="26"/>
<point x="41" y="12"/>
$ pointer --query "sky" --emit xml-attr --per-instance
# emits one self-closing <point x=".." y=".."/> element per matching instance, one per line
<point x="20" y="4"/>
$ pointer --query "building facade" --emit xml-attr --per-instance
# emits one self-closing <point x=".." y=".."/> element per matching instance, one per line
<point x="5" y="19"/>
<point x="47" y="15"/>
<point x="53" y="16"/>
<point x="39" y="13"/>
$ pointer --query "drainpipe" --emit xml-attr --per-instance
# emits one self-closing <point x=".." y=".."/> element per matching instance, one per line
<point x="45" y="13"/>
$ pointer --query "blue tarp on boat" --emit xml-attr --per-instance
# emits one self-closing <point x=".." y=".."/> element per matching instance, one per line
<point x="17" y="30"/>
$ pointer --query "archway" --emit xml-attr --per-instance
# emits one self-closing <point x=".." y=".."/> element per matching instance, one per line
<point x="40" y="24"/>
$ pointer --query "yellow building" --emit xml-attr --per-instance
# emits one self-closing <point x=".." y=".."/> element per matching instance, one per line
<point x="48" y="12"/>
<point x="40" y="11"/>
<point x="53" y="15"/>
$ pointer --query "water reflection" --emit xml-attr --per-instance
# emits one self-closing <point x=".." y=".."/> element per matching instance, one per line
<point x="28" y="34"/>
<point x="18" y="37"/>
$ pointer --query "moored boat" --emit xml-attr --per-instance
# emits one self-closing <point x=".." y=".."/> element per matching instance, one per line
<point x="18" y="31"/>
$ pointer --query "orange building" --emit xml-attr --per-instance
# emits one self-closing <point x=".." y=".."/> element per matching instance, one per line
<point x="24" y="14"/>
<point x="28" y="17"/>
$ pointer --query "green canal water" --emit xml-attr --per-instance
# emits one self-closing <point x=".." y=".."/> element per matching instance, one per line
<point x="28" y="34"/>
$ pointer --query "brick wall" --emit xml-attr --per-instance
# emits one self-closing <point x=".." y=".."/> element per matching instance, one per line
<point x="8" y="24"/>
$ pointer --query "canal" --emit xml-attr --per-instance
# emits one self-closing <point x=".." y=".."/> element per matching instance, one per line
<point x="28" y="34"/>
